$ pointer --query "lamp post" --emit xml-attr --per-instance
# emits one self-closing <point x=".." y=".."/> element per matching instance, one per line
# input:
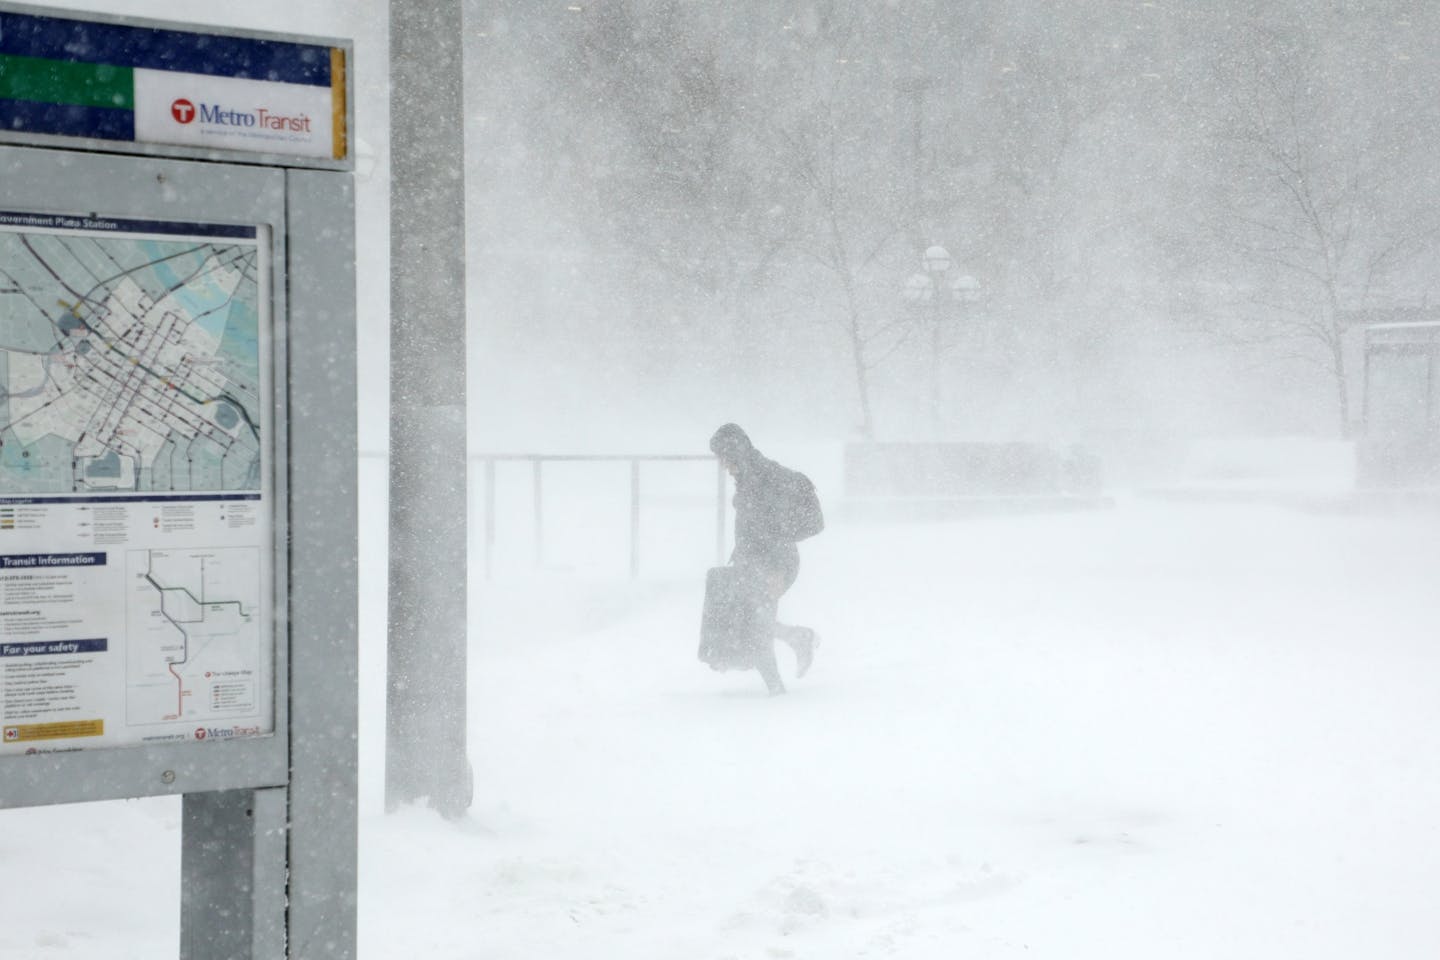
<point x="936" y="288"/>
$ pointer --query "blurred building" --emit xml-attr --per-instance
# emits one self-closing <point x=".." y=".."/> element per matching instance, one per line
<point x="1400" y="443"/>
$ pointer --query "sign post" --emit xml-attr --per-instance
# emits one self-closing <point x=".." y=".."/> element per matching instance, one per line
<point x="177" y="341"/>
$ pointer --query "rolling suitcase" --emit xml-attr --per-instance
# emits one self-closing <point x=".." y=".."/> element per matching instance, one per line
<point x="732" y="623"/>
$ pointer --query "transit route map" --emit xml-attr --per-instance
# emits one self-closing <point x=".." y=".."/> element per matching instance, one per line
<point x="129" y="356"/>
<point x="137" y="482"/>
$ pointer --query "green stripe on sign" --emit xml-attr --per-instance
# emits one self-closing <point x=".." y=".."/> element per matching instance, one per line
<point x="56" y="81"/>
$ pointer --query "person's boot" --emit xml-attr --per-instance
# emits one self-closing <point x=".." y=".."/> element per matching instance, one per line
<point x="804" y="646"/>
<point x="770" y="673"/>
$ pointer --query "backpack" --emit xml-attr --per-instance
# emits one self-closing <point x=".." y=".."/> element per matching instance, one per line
<point x="797" y="514"/>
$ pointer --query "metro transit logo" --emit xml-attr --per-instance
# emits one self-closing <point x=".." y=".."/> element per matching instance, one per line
<point x="236" y="113"/>
<point x="227" y="733"/>
<point x="185" y="111"/>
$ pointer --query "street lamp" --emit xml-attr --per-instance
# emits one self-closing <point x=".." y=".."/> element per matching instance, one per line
<point x="965" y="289"/>
<point x="931" y="288"/>
<point x="918" y="289"/>
<point x="937" y="261"/>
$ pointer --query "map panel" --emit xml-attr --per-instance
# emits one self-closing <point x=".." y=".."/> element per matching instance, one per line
<point x="129" y="357"/>
<point x="137" y="504"/>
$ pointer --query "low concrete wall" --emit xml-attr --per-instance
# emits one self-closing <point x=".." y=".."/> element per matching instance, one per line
<point x="951" y="470"/>
<point x="936" y="481"/>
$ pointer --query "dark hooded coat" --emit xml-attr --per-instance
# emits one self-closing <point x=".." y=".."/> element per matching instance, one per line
<point x="768" y="497"/>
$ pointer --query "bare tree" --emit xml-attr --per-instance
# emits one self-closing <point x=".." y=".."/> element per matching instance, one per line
<point x="844" y="229"/>
<point x="842" y="176"/>
<point x="1315" y="211"/>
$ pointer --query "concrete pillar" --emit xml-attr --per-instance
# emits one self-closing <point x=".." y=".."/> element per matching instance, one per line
<point x="426" y="697"/>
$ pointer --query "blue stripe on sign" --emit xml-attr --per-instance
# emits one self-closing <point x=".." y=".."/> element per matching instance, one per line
<point x="66" y="120"/>
<point x="157" y="497"/>
<point x="102" y="224"/>
<point x="78" y="41"/>
<point x="40" y="561"/>
<point x="39" y="648"/>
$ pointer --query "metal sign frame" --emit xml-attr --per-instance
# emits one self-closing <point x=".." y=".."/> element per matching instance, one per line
<point x="269" y="839"/>
<point x="41" y="182"/>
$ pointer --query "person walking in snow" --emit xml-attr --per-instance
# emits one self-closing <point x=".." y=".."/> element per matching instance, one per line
<point x="774" y="507"/>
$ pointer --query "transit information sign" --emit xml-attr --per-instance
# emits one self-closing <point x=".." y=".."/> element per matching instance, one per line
<point x="136" y="497"/>
<point x="63" y="76"/>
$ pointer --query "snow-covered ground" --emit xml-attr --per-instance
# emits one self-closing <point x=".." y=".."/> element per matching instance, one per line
<point x="1157" y="731"/>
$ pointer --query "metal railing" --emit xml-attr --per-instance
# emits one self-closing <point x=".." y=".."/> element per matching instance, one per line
<point x="538" y="461"/>
<point x="486" y="475"/>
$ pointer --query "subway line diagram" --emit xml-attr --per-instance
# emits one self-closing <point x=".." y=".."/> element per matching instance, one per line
<point x="194" y="634"/>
